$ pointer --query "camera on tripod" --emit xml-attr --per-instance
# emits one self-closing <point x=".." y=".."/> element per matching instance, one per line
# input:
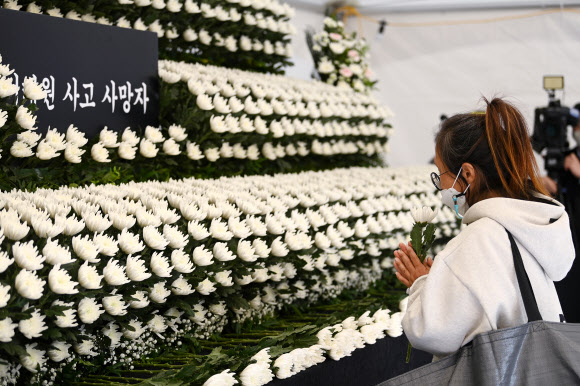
<point x="550" y="128"/>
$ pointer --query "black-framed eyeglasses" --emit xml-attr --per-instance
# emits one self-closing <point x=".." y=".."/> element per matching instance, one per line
<point x="436" y="179"/>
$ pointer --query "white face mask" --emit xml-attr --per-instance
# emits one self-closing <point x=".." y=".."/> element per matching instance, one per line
<point x="576" y="134"/>
<point x="454" y="199"/>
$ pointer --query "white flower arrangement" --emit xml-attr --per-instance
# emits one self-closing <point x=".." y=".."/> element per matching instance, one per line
<point x="334" y="342"/>
<point x="259" y="17"/>
<point x="271" y="231"/>
<point x="341" y="59"/>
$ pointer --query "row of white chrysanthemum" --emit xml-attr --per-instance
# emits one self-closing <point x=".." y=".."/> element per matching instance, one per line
<point x="335" y="342"/>
<point x="209" y="80"/>
<point x="232" y="42"/>
<point x="127" y="345"/>
<point x="192" y="7"/>
<point x="28" y="143"/>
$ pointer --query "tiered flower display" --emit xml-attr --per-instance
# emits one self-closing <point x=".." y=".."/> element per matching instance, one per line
<point x="86" y="270"/>
<point x="341" y="59"/>
<point x="246" y="34"/>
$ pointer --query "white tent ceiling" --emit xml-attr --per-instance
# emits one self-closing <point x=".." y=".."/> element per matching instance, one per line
<point x="432" y="5"/>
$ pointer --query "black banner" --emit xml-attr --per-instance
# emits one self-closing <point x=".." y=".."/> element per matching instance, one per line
<point x="95" y="75"/>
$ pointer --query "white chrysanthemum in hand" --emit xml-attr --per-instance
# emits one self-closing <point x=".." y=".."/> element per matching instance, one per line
<point x="29" y="285"/>
<point x="423" y="215"/>
<point x="60" y="282"/>
<point x="114" y="273"/>
<point x="33" y="327"/>
<point x="135" y="268"/>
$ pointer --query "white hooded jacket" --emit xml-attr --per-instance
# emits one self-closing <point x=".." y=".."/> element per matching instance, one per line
<point x="472" y="285"/>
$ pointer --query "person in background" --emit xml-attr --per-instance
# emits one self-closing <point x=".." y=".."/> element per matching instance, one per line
<point x="488" y="175"/>
<point x="569" y="288"/>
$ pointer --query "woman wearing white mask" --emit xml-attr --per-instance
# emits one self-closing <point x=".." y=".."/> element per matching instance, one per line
<point x="489" y="177"/>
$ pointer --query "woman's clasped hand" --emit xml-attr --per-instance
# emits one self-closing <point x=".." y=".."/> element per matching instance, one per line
<point x="409" y="267"/>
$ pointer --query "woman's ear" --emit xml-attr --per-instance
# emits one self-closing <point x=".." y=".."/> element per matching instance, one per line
<point x="468" y="172"/>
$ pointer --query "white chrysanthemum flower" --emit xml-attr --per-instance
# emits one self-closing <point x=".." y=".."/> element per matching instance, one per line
<point x="224" y="278"/>
<point x="114" y="305"/>
<point x="423" y="215"/>
<point x="59" y="351"/>
<point x="175" y="238"/>
<point x="33" y="327"/>
<point x="136" y="332"/>
<point x="202" y="257"/>
<point x="135" y="268"/>
<point x="34" y="359"/>
<point x="205" y="287"/>
<point x="130" y="243"/>
<point x="85" y="248"/>
<point x="181" y="261"/>
<point x="7" y="330"/>
<point x="20" y="149"/>
<point x="73" y="153"/>
<point x="29" y="285"/>
<point x="142" y="300"/>
<point x="154" y="239"/>
<point x="158" y="293"/>
<point x="95" y="222"/>
<point x="115" y="274"/>
<point x="147" y="148"/>
<point x="60" y="282"/>
<point x="246" y="251"/>
<point x="160" y="265"/>
<point x="7" y="88"/>
<point x="100" y="153"/>
<point x="27" y="257"/>
<point x="89" y="277"/>
<point x="177" y="132"/>
<point x="129" y="137"/>
<point x="157" y="324"/>
<point x="108" y="138"/>
<point x="85" y="347"/>
<point x="219" y="230"/>
<point x="24" y="118"/>
<point x="107" y="245"/>
<point x="222" y="253"/>
<point x="197" y="231"/>
<point x="4" y="295"/>
<point x="89" y="310"/>
<point x="122" y="221"/>
<point x="68" y="320"/>
<point x="76" y="137"/>
<point x="180" y="286"/>
<point x="112" y="332"/>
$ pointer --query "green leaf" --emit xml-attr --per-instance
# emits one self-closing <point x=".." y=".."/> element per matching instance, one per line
<point x="416" y="240"/>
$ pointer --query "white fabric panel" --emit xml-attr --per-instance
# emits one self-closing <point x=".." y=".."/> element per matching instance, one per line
<point x="426" y="71"/>
<point x="303" y="63"/>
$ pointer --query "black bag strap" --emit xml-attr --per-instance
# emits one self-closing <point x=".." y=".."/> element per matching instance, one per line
<point x="526" y="290"/>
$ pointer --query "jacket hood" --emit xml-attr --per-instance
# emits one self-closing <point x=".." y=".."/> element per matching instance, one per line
<point x="542" y="229"/>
